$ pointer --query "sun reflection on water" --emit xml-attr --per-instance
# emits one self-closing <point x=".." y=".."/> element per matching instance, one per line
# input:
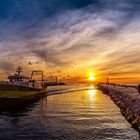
<point x="92" y="93"/>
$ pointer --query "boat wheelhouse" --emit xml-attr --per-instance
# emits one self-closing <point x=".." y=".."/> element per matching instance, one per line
<point x="18" y="79"/>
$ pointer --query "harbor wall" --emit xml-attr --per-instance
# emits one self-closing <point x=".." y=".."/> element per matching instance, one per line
<point x="127" y="99"/>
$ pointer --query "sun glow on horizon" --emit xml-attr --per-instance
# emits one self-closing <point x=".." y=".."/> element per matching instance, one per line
<point x="91" y="77"/>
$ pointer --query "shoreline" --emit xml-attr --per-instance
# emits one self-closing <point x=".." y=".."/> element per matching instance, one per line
<point x="128" y="102"/>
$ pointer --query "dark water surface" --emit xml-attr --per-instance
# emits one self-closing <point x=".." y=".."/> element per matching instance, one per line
<point x="79" y="113"/>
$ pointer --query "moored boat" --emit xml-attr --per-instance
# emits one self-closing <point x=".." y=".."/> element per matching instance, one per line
<point x="20" y="86"/>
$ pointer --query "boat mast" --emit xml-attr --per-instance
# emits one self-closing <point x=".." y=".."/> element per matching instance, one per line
<point x="19" y="70"/>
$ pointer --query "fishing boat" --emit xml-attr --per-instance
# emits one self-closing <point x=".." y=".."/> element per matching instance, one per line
<point x="20" y="86"/>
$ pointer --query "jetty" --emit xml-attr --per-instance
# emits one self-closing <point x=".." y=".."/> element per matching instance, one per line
<point x="127" y="98"/>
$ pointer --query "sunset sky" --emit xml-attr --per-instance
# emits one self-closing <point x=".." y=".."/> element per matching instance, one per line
<point x="72" y="39"/>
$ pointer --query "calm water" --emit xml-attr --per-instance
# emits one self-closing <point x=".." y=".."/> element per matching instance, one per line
<point x="79" y="113"/>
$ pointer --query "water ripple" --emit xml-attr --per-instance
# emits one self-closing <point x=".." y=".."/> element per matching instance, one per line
<point x="82" y="113"/>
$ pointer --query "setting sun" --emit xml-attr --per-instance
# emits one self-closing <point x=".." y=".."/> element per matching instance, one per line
<point x="91" y="77"/>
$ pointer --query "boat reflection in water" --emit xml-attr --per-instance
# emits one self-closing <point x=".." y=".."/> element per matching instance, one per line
<point x="19" y="105"/>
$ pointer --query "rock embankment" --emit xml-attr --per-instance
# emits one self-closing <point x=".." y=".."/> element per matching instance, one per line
<point x="128" y="100"/>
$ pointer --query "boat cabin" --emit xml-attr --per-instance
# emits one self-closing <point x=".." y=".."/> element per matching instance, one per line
<point x="18" y="77"/>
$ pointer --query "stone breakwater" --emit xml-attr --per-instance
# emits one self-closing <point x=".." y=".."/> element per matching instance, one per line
<point x="127" y="99"/>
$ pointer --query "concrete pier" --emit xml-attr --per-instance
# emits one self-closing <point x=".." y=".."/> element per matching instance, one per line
<point x="127" y="99"/>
